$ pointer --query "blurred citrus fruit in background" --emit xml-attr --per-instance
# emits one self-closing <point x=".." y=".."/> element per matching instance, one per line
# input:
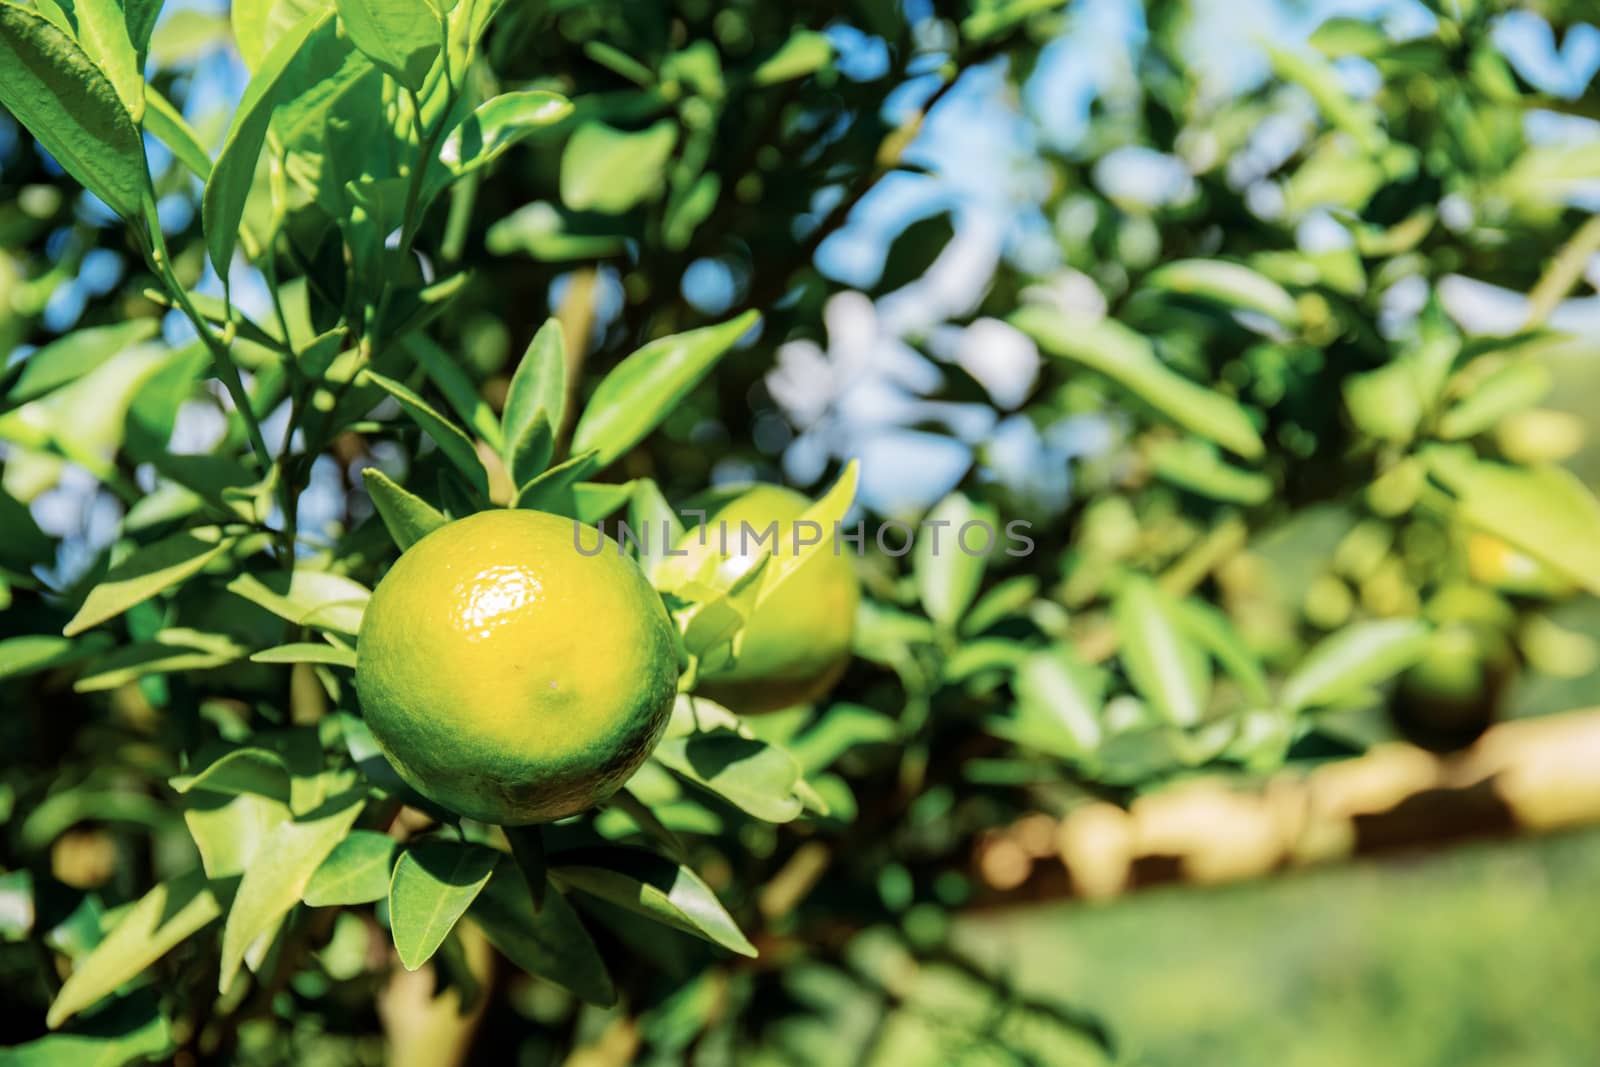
<point x="509" y="676"/>
<point x="797" y="644"/>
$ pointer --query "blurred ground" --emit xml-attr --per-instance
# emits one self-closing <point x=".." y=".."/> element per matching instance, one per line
<point x="1486" y="955"/>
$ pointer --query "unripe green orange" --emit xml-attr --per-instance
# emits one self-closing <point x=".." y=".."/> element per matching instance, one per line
<point x="510" y="677"/>
<point x="797" y="643"/>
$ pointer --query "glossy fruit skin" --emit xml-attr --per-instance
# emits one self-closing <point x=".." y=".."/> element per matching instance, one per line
<point x="797" y="644"/>
<point x="511" y="677"/>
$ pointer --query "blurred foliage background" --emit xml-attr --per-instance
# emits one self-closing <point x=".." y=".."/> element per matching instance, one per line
<point x="1275" y="322"/>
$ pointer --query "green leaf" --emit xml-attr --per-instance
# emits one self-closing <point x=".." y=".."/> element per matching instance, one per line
<point x="1210" y="628"/>
<point x="244" y="770"/>
<point x="147" y="931"/>
<point x="612" y="171"/>
<point x="947" y="573"/>
<point x="555" y="489"/>
<point x="642" y="389"/>
<point x="222" y="206"/>
<point x="173" y="649"/>
<point x="494" y="126"/>
<point x="1194" y="465"/>
<point x="535" y="405"/>
<point x="1164" y="665"/>
<point x="171" y="129"/>
<point x="230" y="830"/>
<point x="357" y="871"/>
<point x="148" y="571"/>
<point x="276" y="879"/>
<point x="649" y="511"/>
<point x="129" y="1029"/>
<point x="1008" y="598"/>
<point x="1113" y="350"/>
<point x="1386" y="403"/>
<point x="1510" y="389"/>
<point x="103" y="33"/>
<point x="1356" y="658"/>
<point x="838" y="729"/>
<point x="403" y="37"/>
<point x="804" y="53"/>
<point x="455" y="445"/>
<point x="32" y="653"/>
<point x="407" y="516"/>
<point x="307" y="597"/>
<point x="71" y="108"/>
<point x="527" y="850"/>
<point x="307" y="652"/>
<point x="549" y="941"/>
<point x="1231" y="285"/>
<point x="1058" y="705"/>
<point x="653" y="886"/>
<point x="445" y="371"/>
<point x="754" y="776"/>
<point x="433" y="884"/>
<point x="141" y="16"/>
<point x="1545" y="511"/>
<point x="828" y="512"/>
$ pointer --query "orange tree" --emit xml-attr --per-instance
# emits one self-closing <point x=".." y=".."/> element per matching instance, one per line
<point x="1322" y="506"/>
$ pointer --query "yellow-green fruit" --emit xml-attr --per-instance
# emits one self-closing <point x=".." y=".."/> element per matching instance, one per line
<point x="511" y="677"/>
<point x="797" y="644"/>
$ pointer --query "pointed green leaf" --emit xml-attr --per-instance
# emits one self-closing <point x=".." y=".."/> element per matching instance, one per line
<point x="1512" y="388"/>
<point x="230" y="830"/>
<point x="148" y="571"/>
<point x="147" y="931"/>
<point x="58" y="93"/>
<point x="407" y="516"/>
<point x="535" y="405"/>
<point x="549" y="941"/>
<point x="276" y="879"/>
<point x="244" y="770"/>
<point x="307" y="652"/>
<point x="754" y="776"/>
<point x="1232" y="285"/>
<point x="1210" y="628"/>
<point x="433" y="884"/>
<point x="555" y="489"/>
<point x="640" y="390"/>
<point x="494" y="126"/>
<point x="947" y="573"/>
<point x="828" y="513"/>
<point x="131" y="1029"/>
<point x="1356" y="658"/>
<point x="403" y="37"/>
<point x="446" y="373"/>
<point x="452" y="442"/>
<point x="653" y="886"/>
<point x="1059" y="700"/>
<point x="1165" y="667"/>
<point x="222" y="206"/>
<point x="103" y="32"/>
<point x="611" y="171"/>
<point x="357" y="871"/>
<point x="141" y="16"/>
<point x="171" y="129"/>
<point x="307" y="597"/>
<point x="31" y="653"/>
<point x="1194" y="465"/>
<point x="1113" y="350"/>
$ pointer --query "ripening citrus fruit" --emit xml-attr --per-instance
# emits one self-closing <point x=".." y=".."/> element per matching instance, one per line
<point x="1499" y="565"/>
<point x="509" y="676"/>
<point x="797" y="644"/>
